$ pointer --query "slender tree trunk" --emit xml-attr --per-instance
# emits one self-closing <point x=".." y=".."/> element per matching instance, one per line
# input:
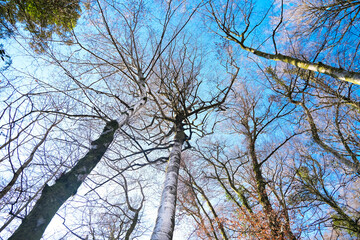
<point x="263" y="195"/>
<point x="52" y="197"/>
<point x="212" y="209"/>
<point x="265" y="202"/>
<point x="355" y="166"/>
<point x="165" y="222"/>
<point x="339" y="73"/>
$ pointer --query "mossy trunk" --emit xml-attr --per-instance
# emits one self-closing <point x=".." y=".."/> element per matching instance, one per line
<point x="339" y="73"/>
<point x="52" y="197"/>
<point x="263" y="197"/>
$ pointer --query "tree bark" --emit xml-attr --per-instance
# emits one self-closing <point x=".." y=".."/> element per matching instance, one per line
<point x="354" y="166"/>
<point x="52" y="197"/>
<point x="165" y="222"/>
<point x="339" y="73"/>
<point x="263" y="197"/>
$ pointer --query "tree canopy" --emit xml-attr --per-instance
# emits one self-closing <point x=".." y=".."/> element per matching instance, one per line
<point x="41" y="18"/>
<point x="176" y="119"/>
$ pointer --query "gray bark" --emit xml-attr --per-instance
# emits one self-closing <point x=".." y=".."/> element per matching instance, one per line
<point x="52" y="197"/>
<point x="339" y="73"/>
<point x="165" y="222"/>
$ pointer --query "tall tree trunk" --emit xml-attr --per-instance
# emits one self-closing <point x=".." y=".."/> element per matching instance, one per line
<point x="339" y="73"/>
<point x="52" y="197"/>
<point x="264" y="200"/>
<point x="165" y="222"/>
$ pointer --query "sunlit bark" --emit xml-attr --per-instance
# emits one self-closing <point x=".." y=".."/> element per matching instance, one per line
<point x="165" y="222"/>
<point x="224" y="19"/>
<point x="339" y="73"/>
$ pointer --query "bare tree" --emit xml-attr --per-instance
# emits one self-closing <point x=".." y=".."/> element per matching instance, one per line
<point x="301" y="89"/>
<point x="177" y="101"/>
<point x="315" y="187"/>
<point x="254" y="187"/>
<point x="134" y="65"/>
<point x="226" y="15"/>
<point x="284" y="150"/>
<point x="52" y="197"/>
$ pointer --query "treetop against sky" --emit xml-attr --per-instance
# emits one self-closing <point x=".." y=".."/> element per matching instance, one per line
<point x="179" y="119"/>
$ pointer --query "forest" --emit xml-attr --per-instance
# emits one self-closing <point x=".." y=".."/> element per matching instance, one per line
<point x="179" y="119"/>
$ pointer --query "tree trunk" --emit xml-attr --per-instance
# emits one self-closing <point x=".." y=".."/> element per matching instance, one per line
<point x="354" y="166"/>
<point x="339" y="73"/>
<point x="263" y="197"/>
<point x="165" y="222"/>
<point x="52" y="197"/>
